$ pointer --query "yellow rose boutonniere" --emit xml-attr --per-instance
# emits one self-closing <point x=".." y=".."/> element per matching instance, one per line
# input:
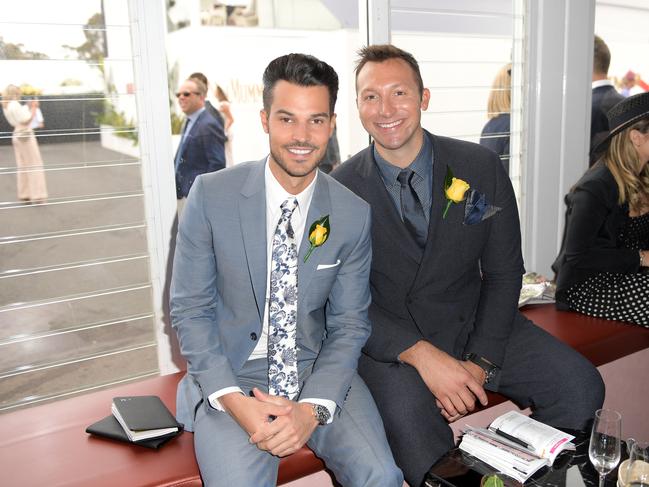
<point x="318" y="234"/>
<point x="454" y="189"/>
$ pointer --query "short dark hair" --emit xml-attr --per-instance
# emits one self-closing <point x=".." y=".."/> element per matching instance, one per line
<point x="601" y="56"/>
<point x="302" y="70"/>
<point x="199" y="76"/>
<point x="200" y="86"/>
<point x="382" y="52"/>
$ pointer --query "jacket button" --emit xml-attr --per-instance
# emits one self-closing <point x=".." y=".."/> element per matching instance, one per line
<point x="253" y="336"/>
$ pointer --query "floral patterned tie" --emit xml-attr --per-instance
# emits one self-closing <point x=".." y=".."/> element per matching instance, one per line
<point x="282" y="308"/>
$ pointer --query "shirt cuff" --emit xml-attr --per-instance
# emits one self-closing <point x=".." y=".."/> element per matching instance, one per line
<point x="330" y="405"/>
<point x="214" y="397"/>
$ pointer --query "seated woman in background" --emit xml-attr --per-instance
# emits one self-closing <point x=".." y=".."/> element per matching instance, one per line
<point x="495" y="133"/>
<point x="601" y="269"/>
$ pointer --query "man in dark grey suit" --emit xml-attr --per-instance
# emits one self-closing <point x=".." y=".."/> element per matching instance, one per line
<point x="605" y="96"/>
<point x="270" y="293"/>
<point x="445" y="278"/>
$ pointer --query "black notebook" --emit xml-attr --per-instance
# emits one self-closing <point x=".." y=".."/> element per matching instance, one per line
<point x="143" y="417"/>
<point x="109" y="427"/>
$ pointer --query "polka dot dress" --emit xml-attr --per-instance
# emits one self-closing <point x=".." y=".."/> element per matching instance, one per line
<point x="623" y="297"/>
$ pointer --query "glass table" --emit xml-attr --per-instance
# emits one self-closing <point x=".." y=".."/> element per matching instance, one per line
<point x="570" y="469"/>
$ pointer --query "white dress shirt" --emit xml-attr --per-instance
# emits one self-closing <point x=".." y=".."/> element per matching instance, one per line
<point x="275" y="196"/>
<point x="602" y="82"/>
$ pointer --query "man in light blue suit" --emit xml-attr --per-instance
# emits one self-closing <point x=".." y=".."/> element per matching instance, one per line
<point x="233" y="225"/>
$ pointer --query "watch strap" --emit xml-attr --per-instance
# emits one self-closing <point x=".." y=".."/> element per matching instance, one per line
<point x="489" y="368"/>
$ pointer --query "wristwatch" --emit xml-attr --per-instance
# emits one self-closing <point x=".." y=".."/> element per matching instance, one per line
<point x="321" y="414"/>
<point x="489" y="368"/>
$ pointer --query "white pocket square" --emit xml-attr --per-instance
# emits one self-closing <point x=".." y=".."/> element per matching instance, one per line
<point x="327" y="266"/>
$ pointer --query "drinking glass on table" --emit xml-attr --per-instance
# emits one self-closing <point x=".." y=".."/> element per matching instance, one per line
<point x="605" y="445"/>
<point x="637" y="472"/>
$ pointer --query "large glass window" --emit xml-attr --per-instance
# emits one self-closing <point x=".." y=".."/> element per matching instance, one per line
<point x="232" y="43"/>
<point x="75" y="308"/>
<point x="470" y="56"/>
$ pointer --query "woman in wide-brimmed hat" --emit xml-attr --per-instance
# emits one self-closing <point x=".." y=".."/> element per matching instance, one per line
<point x="602" y="266"/>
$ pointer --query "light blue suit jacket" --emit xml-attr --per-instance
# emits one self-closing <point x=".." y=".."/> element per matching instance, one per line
<point x="219" y="284"/>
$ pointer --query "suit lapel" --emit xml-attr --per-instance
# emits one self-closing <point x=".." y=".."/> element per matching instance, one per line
<point x="252" y="213"/>
<point x="386" y="217"/>
<point x="320" y="206"/>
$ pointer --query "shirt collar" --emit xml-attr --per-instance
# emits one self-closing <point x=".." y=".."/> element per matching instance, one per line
<point x="276" y="194"/>
<point x="192" y="117"/>
<point x="420" y="166"/>
<point x="602" y="82"/>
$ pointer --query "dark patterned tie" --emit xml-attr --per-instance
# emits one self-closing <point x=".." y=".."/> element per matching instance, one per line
<point x="411" y="209"/>
<point x="282" y="308"/>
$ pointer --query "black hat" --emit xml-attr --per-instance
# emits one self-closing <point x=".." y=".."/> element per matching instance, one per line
<point x="623" y="115"/>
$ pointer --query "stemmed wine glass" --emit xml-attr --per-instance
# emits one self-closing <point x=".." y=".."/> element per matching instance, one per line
<point x="605" y="445"/>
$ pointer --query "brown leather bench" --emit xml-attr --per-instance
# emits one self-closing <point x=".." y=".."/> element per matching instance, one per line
<point x="47" y="445"/>
<point x="600" y="341"/>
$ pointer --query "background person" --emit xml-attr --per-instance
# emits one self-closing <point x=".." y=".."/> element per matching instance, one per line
<point x="221" y="111"/>
<point x="201" y="147"/>
<point x="212" y="110"/>
<point x="601" y="269"/>
<point x="38" y="122"/>
<point x="495" y="134"/>
<point x="32" y="187"/>
<point x="224" y="108"/>
<point x="605" y="96"/>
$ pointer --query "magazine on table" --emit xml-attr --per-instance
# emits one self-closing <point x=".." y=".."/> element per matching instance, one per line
<point x="516" y="445"/>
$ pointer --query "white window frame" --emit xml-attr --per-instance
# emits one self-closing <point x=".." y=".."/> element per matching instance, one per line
<point x="148" y="31"/>
<point x="558" y="46"/>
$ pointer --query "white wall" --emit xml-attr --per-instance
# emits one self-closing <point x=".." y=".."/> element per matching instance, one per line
<point x="239" y="72"/>
<point x="624" y="29"/>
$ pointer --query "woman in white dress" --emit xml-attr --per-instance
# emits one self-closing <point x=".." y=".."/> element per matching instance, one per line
<point x="228" y="119"/>
<point x="30" y="175"/>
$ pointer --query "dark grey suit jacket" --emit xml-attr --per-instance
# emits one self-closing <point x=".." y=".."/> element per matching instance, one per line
<point x="604" y="98"/>
<point x="463" y="295"/>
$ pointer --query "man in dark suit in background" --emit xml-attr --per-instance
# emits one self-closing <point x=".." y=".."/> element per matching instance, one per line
<point x="446" y="278"/>
<point x="604" y="95"/>
<point x="201" y="147"/>
<point x="208" y="105"/>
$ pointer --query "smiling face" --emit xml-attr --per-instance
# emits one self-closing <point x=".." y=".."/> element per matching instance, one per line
<point x="389" y="104"/>
<point x="298" y="124"/>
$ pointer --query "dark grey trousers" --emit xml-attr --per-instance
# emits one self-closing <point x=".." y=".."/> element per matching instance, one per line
<point x="561" y="386"/>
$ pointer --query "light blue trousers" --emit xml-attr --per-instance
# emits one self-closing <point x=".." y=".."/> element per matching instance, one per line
<point x="354" y="446"/>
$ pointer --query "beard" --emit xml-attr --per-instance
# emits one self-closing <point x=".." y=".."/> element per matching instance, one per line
<point x="299" y="169"/>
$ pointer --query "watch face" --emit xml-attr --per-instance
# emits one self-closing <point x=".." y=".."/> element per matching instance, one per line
<point x="321" y="413"/>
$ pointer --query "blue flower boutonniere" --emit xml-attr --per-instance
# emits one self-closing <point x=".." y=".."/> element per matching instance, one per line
<point x="318" y="234"/>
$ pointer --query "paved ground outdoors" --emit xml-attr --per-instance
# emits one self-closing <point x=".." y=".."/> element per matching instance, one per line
<point x="75" y="306"/>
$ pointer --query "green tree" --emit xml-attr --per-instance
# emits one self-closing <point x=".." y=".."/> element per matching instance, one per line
<point x="93" y="50"/>
<point x="17" y="51"/>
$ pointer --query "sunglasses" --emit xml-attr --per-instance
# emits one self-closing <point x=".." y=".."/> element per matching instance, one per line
<point x="186" y="94"/>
